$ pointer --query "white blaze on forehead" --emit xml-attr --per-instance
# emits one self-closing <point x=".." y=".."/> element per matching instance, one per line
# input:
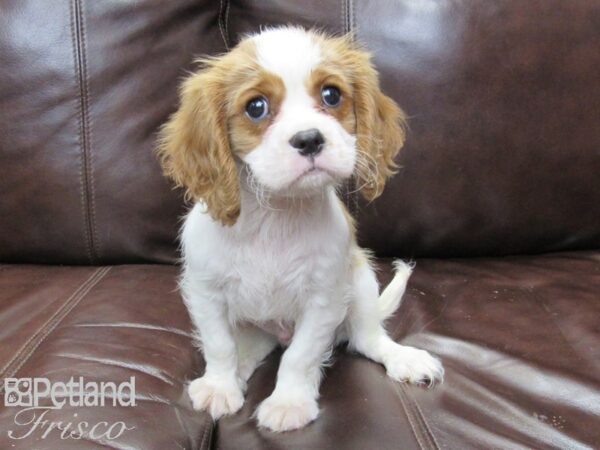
<point x="291" y="53"/>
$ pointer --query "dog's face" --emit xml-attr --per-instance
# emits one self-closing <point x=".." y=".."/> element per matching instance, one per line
<point x="287" y="111"/>
<point x="292" y="121"/>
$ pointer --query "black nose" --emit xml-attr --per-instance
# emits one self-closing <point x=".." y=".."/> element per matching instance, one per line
<point x="308" y="142"/>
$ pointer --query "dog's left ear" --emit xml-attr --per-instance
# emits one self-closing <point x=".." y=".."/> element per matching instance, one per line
<point x="380" y="129"/>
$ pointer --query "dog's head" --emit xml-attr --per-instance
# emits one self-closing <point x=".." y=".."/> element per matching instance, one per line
<point x="287" y="112"/>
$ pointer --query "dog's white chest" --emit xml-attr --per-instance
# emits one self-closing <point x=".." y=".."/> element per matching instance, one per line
<point x="271" y="279"/>
<point x="270" y="266"/>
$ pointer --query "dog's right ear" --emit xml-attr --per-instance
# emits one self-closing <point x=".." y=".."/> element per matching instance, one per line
<point x="380" y="128"/>
<point x="194" y="148"/>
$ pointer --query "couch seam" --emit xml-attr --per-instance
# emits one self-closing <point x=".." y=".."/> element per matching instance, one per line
<point x="208" y="429"/>
<point x="420" y="428"/>
<point x="90" y="140"/>
<point x="426" y="426"/>
<point x="227" y="7"/>
<point x="352" y="29"/>
<point x="29" y="347"/>
<point x="344" y="26"/>
<point x="78" y="31"/>
<point x="352" y="16"/>
<point x="409" y="417"/>
<point x="348" y="26"/>
<point x="83" y="201"/>
<point x="343" y="16"/>
<point x="222" y="20"/>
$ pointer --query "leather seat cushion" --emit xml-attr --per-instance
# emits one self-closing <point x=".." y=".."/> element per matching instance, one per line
<point x="103" y="324"/>
<point x="521" y="362"/>
<point x="518" y="338"/>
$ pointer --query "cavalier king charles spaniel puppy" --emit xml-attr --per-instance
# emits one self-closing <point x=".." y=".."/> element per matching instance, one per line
<point x="262" y="138"/>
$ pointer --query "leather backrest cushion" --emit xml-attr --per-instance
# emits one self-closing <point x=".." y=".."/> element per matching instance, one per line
<point x="84" y="86"/>
<point x="503" y="102"/>
<point x="503" y="153"/>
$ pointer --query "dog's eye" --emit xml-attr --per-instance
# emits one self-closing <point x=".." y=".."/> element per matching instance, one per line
<point x="331" y="96"/>
<point x="257" y="109"/>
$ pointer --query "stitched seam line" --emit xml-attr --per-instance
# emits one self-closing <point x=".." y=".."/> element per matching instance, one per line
<point x="352" y="185"/>
<point x="425" y="430"/>
<point x="86" y="172"/>
<point x="37" y="338"/>
<point x="89" y="128"/>
<point x="86" y="229"/>
<point x="343" y="16"/>
<point x="419" y="426"/>
<point x="351" y="16"/>
<point x="348" y="184"/>
<point x="222" y="20"/>
<point x="227" y="6"/>
<point x="434" y="441"/>
<point x="409" y="417"/>
<point x="25" y="352"/>
<point x="351" y="29"/>
<point x="205" y="443"/>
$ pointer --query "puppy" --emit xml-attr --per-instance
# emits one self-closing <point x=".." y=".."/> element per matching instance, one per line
<point x="263" y="136"/>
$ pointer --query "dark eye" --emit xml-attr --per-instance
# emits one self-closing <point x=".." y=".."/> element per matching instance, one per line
<point x="257" y="109"/>
<point x="331" y="96"/>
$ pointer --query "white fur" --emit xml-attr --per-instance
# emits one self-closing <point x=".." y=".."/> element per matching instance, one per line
<point x="289" y="259"/>
<point x="289" y="52"/>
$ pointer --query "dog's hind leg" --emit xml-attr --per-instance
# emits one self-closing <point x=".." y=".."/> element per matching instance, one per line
<point x="367" y="335"/>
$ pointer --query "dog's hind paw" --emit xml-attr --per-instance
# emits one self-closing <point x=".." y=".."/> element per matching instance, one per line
<point x="414" y="366"/>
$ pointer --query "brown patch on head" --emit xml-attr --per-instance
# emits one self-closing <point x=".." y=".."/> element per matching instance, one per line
<point x="245" y="134"/>
<point x="328" y="74"/>
<point x="379" y="124"/>
<point x="198" y="143"/>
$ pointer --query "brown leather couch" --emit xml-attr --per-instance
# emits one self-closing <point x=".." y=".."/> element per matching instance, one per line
<point x="498" y="201"/>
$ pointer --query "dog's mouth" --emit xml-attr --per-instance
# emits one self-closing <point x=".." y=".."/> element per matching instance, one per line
<point x="313" y="171"/>
<point x="312" y="178"/>
<point x="314" y="175"/>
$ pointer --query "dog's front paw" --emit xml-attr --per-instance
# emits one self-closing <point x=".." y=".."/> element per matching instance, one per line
<point x="219" y="397"/>
<point x="283" y="412"/>
<point x="413" y="365"/>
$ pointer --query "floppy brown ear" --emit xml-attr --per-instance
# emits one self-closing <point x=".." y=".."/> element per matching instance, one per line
<point x="380" y="130"/>
<point x="194" y="147"/>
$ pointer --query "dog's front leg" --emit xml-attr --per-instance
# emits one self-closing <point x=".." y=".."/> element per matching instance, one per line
<point x="293" y="403"/>
<point x="219" y="390"/>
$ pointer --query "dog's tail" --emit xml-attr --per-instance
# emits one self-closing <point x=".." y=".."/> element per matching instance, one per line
<point x="390" y="298"/>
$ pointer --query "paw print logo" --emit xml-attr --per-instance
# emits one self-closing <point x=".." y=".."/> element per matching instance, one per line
<point x="18" y="392"/>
